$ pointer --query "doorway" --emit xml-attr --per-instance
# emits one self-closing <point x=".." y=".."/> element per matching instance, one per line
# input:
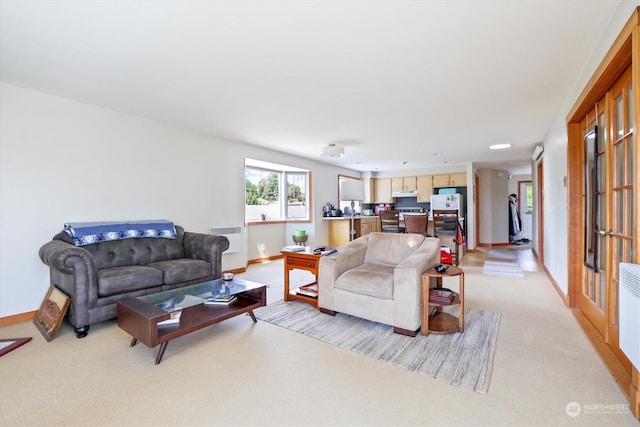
<point x="525" y="200"/>
<point x="540" y="209"/>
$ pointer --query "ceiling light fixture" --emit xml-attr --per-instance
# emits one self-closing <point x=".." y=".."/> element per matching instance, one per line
<point x="499" y="146"/>
<point x="332" y="150"/>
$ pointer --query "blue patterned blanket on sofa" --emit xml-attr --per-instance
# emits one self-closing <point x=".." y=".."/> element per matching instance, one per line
<point x="86" y="233"/>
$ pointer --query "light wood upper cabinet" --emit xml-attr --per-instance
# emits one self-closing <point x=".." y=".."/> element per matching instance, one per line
<point x="458" y="179"/>
<point x="410" y="183"/>
<point x="424" y="186"/>
<point x="383" y="190"/>
<point x="450" y="180"/>
<point x="403" y="183"/>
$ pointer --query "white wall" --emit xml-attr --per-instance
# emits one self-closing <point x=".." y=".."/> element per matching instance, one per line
<point x="62" y="161"/>
<point x="555" y="157"/>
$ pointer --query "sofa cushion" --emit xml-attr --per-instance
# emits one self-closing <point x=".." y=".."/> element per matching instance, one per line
<point x="182" y="270"/>
<point x="390" y="249"/>
<point x="368" y="279"/>
<point x="119" y="280"/>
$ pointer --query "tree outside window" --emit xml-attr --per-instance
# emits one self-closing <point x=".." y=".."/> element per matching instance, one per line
<point x="275" y="192"/>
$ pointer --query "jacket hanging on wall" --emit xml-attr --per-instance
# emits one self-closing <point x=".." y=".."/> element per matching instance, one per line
<point x="515" y="223"/>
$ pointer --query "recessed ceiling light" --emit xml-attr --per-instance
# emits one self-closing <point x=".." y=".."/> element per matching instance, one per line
<point x="499" y="146"/>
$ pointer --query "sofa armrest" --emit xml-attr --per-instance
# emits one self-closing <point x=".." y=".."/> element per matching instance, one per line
<point x="72" y="270"/>
<point x="407" y="283"/>
<point x="348" y="256"/>
<point x="206" y="247"/>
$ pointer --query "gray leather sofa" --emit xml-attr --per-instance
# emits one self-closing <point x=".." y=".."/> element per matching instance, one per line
<point x="97" y="276"/>
<point x="378" y="277"/>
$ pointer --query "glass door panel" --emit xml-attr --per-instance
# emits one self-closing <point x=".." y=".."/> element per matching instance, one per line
<point x="620" y="198"/>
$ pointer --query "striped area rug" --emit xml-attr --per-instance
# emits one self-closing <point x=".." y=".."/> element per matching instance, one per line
<point x="461" y="359"/>
<point x="502" y="269"/>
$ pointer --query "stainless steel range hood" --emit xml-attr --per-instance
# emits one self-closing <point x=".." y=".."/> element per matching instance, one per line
<point x="404" y="194"/>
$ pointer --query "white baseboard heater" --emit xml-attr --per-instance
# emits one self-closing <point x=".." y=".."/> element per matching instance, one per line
<point x="629" y="311"/>
<point x="235" y="236"/>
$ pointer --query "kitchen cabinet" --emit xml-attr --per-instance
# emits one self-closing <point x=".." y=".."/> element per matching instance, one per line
<point x="450" y="180"/>
<point x="367" y="225"/>
<point x="339" y="228"/>
<point x="369" y="190"/>
<point x="403" y="183"/>
<point x="382" y="190"/>
<point x="458" y="179"/>
<point x="424" y="187"/>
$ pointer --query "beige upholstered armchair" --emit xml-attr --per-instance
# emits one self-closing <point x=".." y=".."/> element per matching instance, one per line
<point x="378" y="277"/>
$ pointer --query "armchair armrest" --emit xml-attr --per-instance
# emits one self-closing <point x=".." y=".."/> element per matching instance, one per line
<point x="407" y="283"/>
<point x="206" y="247"/>
<point x="72" y="270"/>
<point x="348" y="256"/>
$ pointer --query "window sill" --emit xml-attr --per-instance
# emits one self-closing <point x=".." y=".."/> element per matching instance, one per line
<point x="279" y="221"/>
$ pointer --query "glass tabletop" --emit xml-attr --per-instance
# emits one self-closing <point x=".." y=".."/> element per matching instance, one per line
<point x="188" y="296"/>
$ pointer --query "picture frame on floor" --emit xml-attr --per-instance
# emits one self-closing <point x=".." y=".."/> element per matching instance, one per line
<point x="10" y="344"/>
<point x="51" y="313"/>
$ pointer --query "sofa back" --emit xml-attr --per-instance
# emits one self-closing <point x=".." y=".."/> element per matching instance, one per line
<point x="390" y="249"/>
<point x="136" y="251"/>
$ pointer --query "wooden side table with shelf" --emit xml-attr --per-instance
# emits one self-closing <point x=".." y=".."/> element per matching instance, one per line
<point x="306" y="259"/>
<point x="441" y="322"/>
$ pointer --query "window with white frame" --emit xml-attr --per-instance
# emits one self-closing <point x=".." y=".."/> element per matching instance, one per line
<point x="275" y="192"/>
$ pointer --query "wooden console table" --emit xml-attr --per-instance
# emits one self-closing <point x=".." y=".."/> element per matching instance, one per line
<point x="441" y="322"/>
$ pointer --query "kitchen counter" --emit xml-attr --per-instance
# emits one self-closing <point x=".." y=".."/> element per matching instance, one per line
<point x="339" y="227"/>
<point x="348" y="217"/>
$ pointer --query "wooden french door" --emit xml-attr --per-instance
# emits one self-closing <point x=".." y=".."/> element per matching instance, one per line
<point x="609" y="197"/>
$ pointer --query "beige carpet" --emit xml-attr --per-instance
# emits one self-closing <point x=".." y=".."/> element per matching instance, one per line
<point x="238" y="373"/>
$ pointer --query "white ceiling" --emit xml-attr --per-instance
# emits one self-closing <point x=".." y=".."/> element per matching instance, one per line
<point x="421" y="82"/>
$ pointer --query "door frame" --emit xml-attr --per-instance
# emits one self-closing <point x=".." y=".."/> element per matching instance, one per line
<point x="539" y="209"/>
<point x="624" y="52"/>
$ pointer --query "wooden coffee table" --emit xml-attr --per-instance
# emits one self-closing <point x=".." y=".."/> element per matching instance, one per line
<point x="139" y="316"/>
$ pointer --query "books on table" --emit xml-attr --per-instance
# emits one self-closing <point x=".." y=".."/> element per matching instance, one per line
<point x="221" y="300"/>
<point x="310" y="290"/>
<point x="175" y="318"/>
<point x="441" y="297"/>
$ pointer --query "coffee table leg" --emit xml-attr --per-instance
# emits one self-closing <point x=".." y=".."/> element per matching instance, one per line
<point x="161" y="350"/>
<point x="133" y="342"/>
<point x="253" y="316"/>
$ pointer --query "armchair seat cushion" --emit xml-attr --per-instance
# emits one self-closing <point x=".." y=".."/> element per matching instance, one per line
<point x="182" y="270"/>
<point x="118" y="280"/>
<point x="367" y="279"/>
